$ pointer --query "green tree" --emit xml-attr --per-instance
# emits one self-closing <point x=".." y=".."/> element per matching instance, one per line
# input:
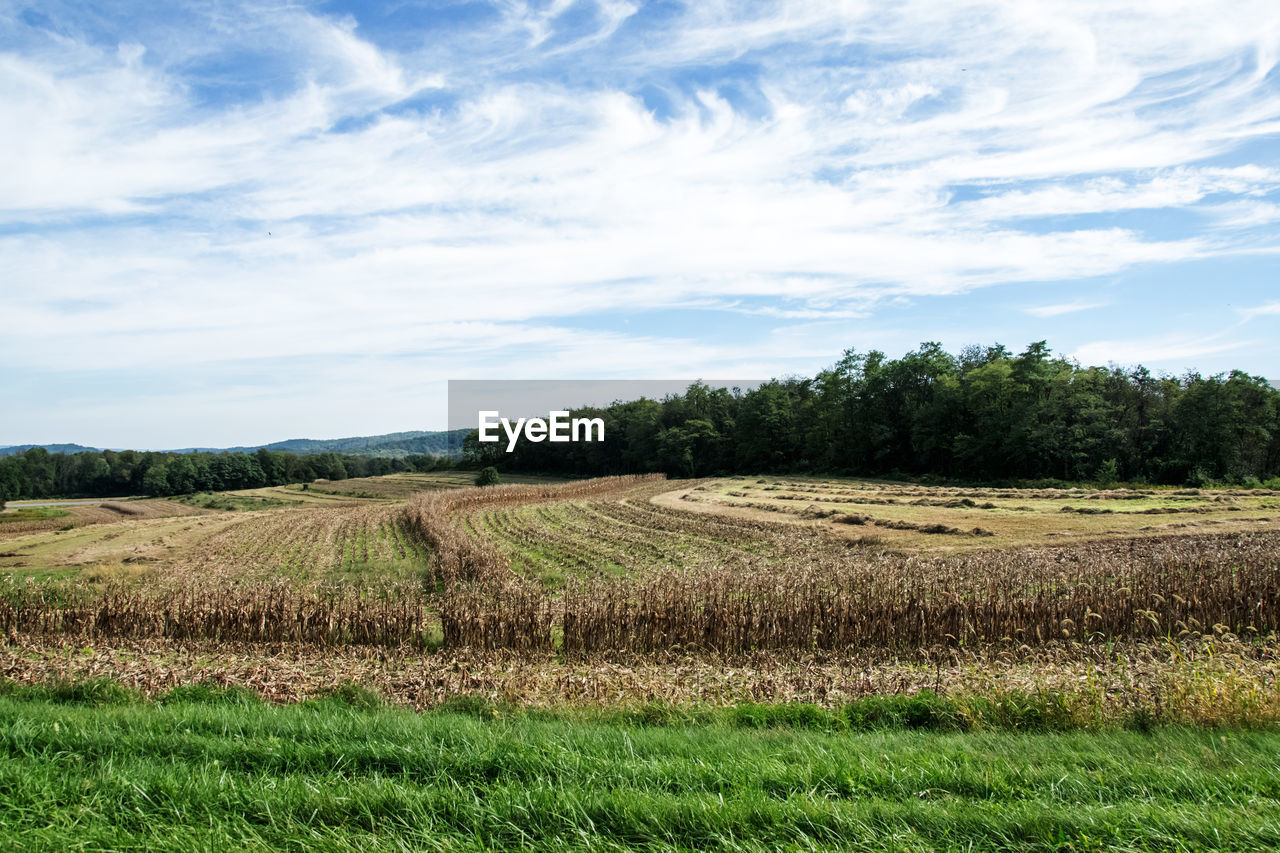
<point x="488" y="476"/>
<point x="182" y="475"/>
<point x="481" y="453"/>
<point x="769" y="436"/>
<point x="156" y="480"/>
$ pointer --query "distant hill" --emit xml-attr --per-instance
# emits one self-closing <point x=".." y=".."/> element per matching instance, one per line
<point x="15" y="449"/>
<point x="391" y="445"/>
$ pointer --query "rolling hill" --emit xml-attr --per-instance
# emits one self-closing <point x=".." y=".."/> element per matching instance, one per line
<point x="392" y="445"/>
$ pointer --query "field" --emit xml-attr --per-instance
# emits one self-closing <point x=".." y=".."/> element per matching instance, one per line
<point x="390" y="487"/>
<point x="335" y="774"/>
<point x="934" y="518"/>
<point x="571" y="613"/>
<point x="871" y="583"/>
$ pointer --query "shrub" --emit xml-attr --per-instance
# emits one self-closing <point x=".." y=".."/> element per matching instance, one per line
<point x="1200" y="479"/>
<point x="923" y="710"/>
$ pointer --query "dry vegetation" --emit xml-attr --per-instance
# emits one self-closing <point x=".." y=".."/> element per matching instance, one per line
<point x="404" y="485"/>
<point x="20" y="519"/>
<point x="366" y="545"/>
<point x="654" y="587"/>
<point x="735" y="585"/>
<point x="951" y="519"/>
<point x="1207" y="681"/>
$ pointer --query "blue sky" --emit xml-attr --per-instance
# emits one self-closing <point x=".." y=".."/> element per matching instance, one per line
<point x="231" y="223"/>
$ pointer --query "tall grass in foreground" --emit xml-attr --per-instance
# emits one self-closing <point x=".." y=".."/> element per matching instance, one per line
<point x="216" y="771"/>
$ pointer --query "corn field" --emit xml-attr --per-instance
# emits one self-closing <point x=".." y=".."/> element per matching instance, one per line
<point x="596" y="567"/>
<point x="260" y="613"/>
<point x="1102" y="592"/>
<point x="709" y="583"/>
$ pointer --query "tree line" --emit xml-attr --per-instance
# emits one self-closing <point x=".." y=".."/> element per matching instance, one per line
<point x="984" y="414"/>
<point x="40" y="474"/>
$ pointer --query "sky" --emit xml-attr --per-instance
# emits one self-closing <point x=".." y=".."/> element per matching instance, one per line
<point x="233" y="223"/>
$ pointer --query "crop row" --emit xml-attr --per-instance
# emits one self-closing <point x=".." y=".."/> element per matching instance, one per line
<point x="304" y="545"/>
<point x="780" y="587"/>
<point x="702" y="583"/>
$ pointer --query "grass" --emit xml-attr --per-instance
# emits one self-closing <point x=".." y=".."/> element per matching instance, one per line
<point x="91" y="767"/>
<point x="92" y="547"/>
<point x="232" y="501"/>
<point x="360" y="573"/>
<point x="32" y="513"/>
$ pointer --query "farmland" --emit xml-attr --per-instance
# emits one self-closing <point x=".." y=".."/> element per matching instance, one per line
<point x="872" y="586"/>
<point x="651" y="626"/>
<point x="949" y="519"/>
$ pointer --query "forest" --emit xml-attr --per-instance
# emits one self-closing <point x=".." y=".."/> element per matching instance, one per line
<point x="37" y="473"/>
<point x="985" y="414"/>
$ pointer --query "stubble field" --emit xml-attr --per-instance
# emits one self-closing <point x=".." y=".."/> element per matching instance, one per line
<point x="631" y="663"/>
<point x="633" y="590"/>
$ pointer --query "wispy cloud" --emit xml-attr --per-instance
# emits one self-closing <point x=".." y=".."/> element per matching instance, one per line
<point x="1270" y="309"/>
<point x="1163" y="348"/>
<point x="1062" y="308"/>
<point x="258" y="181"/>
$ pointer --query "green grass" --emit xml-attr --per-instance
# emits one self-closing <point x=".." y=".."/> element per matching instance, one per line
<point x="32" y="513"/>
<point x="92" y="767"/>
<point x="232" y="502"/>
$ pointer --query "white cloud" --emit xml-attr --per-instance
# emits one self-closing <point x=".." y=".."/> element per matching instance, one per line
<point x="890" y="153"/>
<point x="1062" y="308"/>
<point x="1270" y="309"/>
<point x="1156" y="349"/>
<point x="1176" y="189"/>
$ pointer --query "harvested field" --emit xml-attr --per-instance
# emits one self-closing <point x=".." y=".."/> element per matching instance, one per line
<point x="17" y="521"/>
<point x="632" y="569"/>
<point x="356" y="545"/>
<point x="952" y="519"/>
<point x="645" y="578"/>
<point x="400" y="486"/>
<point x="615" y="537"/>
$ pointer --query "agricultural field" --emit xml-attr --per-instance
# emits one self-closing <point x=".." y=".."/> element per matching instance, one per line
<point x="890" y="576"/>
<point x="34" y="517"/>
<point x="393" y="486"/>
<point x="284" y="534"/>
<point x="940" y="518"/>
<point x="619" y="622"/>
